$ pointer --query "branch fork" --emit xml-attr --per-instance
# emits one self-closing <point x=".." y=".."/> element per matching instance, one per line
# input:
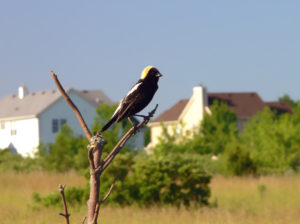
<point x="95" y="148"/>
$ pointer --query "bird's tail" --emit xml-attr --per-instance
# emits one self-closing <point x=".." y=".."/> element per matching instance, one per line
<point x="108" y="124"/>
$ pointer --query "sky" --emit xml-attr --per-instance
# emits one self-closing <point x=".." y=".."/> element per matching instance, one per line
<point x="227" y="46"/>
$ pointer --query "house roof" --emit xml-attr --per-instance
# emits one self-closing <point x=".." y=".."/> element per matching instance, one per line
<point x="281" y="107"/>
<point x="173" y="113"/>
<point x="244" y="104"/>
<point x="34" y="103"/>
<point x="96" y="97"/>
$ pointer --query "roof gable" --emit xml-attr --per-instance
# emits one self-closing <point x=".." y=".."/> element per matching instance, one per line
<point x="36" y="102"/>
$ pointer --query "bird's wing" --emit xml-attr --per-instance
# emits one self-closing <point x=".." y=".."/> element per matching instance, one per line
<point x="124" y="110"/>
<point x="127" y="102"/>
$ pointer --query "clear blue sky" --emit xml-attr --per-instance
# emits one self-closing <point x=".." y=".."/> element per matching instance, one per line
<point x="224" y="45"/>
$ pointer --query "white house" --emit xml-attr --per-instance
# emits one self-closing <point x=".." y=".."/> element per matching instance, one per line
<point x="28" y="119"/>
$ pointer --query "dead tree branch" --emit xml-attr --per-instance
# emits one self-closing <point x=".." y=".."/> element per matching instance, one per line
<point x="66" y="214"/>
<point x="95" y="149"/>
<point x="73" y="106"/>
<point x="83" y="221"/>
<point x="124" y="139"/>
<point x="109" y="191"/>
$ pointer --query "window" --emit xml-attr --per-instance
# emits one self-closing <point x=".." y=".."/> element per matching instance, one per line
<point x="55" y="125"/>
<point x="62" y="122"/>
<point x="13" y="129"/>
<point x="178" y="129"/>
<point x="2" y="125"/>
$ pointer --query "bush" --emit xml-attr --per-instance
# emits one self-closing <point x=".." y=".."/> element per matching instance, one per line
<point x="295" y="163"/>
<point x="74" y="196"/>
<point x="66" y="153"/>
<point x="240" y="163"/>
<point x="175" y="180"/>
<point x="272" y="141"/>
<point x="15" y="162"/>
<point x="146" y="181"/>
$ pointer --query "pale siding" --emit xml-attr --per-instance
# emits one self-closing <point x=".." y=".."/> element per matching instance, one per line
<point x="20" y="135"/>
<point x="23" y="135"/>
<point x="61" y="110"/>
<point x="157" y="131"/>
<point x="188" y="121"/>
<point x="137" y="142"/>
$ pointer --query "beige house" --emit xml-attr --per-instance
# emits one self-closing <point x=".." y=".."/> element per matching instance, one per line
<point x="187" y="114"/>
<point x="183" y="117"/>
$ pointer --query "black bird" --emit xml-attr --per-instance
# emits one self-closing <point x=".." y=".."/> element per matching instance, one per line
<point x="138" y="97"/>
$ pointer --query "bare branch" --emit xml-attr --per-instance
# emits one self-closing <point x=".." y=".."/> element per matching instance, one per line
<point x="72" y="105"/>
<point x="109" y="191"/>
<point x="124" y="139"/>
<point x="66" y="214"/>
<point x="96" y="212"/>
<point x="83" y="221"/>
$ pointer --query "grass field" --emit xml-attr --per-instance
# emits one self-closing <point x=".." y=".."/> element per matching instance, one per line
<point x="267" y="200"/>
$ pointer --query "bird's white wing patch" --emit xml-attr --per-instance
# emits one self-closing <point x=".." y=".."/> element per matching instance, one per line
<point x="118" y="108"/>
<point x="134" y="88"/>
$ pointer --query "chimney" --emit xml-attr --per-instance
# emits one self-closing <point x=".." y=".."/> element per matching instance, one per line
<point x="200" y="93"/>
<point x="195" y="112"/>
<point x="22" y="92"/>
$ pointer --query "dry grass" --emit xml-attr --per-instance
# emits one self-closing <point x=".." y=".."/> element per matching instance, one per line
<point x="240" y="200"/>
<point x="16" y="191"/>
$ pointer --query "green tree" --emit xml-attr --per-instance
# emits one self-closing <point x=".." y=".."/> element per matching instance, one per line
<point x="239" y="161"/>
<point x="218" y="128"/>
<point x="113" y="134"/>
<point x="272" y="141"/>
<point x="288" y="99"/>
<point x="67" y="152"/>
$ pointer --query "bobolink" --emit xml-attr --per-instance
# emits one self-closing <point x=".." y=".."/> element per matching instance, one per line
<point x="138" y="97"/>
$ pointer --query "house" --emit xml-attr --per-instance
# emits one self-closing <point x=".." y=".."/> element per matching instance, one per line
<point x="187" y="114"/>
<point x="28" y="119"/>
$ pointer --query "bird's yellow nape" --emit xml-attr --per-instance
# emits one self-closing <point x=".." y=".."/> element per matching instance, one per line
<point x="146" y="71"/>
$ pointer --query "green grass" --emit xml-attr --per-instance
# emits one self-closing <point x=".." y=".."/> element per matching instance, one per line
<point x="265" y="200"/>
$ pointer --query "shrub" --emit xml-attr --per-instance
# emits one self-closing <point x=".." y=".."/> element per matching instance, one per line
<point x="15" y="162"/>
<point x="176" y="180"/>
<point x="147" y="180"/>
<point x="74" y="196"/>
<point x="240" y="163"/>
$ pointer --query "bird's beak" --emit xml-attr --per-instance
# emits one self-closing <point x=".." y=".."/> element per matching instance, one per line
<point x="158" y="75"/>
